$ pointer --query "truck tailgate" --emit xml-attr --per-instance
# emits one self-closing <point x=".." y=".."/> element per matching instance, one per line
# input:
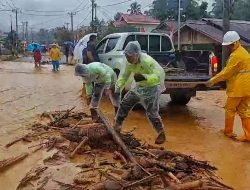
<point x="187" y="77"/>
<point x="186" y="81"/>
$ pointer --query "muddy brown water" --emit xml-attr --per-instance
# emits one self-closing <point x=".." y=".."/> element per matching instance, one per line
<point x="193" y="129"/>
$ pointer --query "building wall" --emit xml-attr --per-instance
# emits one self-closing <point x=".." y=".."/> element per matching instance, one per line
<point x="189" y="36"/>
<point x="148" y="28"/>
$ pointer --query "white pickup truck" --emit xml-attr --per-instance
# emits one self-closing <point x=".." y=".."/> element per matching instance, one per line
<point x="186" y="72"/>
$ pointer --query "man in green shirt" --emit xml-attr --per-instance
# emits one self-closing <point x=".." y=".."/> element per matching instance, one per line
<point x="98" y="78"/>
<point x="149" y="79"/>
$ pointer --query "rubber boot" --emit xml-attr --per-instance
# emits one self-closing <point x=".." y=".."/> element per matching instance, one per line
<point x="158" y="125"/>
<point x="161" y="138"/>
<point x="246" y="128"/>
<point x="228" y="130"/>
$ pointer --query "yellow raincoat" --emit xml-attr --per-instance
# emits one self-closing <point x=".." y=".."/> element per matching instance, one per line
<point x="237" y="75"/>
<point x="55" y="54"/>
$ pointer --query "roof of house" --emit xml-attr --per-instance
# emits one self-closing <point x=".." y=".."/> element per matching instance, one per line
<point x="212" y="28"/>
<point x="242" y="27"/>
<point x="136" y="19"/>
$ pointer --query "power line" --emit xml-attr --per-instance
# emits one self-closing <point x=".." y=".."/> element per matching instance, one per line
<point x="84" y="19"/>
<point x="147" y="5"/>
<point x="104" y="13"/>
<point x="115" y="4"/>
<point x="9" y="4"/>
<point x="31" y="14"/>
<point x="47" y="11"/>
<point x="13" y="3"/>
<point x="84" y="7"/>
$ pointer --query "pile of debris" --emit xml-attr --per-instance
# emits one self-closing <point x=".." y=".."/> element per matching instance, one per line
<point x="81" y="154"/>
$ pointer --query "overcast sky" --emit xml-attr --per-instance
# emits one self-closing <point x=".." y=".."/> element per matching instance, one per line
<point x="55" y="12"/>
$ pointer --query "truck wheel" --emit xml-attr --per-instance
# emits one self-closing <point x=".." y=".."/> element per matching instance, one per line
<point x="180" y="98"/>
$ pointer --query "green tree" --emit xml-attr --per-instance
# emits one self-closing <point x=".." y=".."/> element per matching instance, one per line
<point x="217" y="10"/>
<point x="195" y="11"/>
<point x="61" y="35"/>
<point x="117" y="16"/>
<point x="135" y="9"/>
<point x="167" y="9"/>
<point x="159" y="10"/>
<point x="239" y="10"/>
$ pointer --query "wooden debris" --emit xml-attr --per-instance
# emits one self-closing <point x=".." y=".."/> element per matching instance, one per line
<point x="10" y="161"/>
<point x="52" y="144"/>
<point x="120" y="156"/>
<point x="188" y="185"/>
<point x="141" y="166"/>
<point x="15" y="141"/>
<point x="118" y="140"/>
<point x="62" y="117"/>
<point x="84" y="140"/>
<point x="33" y="174"/>
<point x="144" y="180"/>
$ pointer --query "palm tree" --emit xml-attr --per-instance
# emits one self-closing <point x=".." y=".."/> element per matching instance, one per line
<point x="135" y="9"/>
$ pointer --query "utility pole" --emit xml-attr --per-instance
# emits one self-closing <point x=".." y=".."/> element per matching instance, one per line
<point x="179" y="24"/>
<point x="95" y="26"/>
<point x="67" y="25"/>
<point x="226" y="28"/>
<point x="23" y="26"/>
<point x="26" y="32"/>
<point x="72" y="23"/>
<point x="16" y="22"/>
<point x="12" y="35"/>
<point x="32" y="35"/>
<point x="92" y="19"/>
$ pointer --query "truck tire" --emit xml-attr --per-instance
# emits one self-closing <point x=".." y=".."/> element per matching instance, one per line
<point x="180" y="98"/>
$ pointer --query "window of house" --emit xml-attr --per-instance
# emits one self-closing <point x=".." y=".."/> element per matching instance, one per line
<point x="100" y="47"/>
<point x="154" y="43"/>
<point x="111" y="44"/>
<point x="166" y="44"/>
<point x="129" y="39"/>
<point x="143" y="41"/>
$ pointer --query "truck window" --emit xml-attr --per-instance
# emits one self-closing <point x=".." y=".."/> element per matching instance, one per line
<point x="143" y="41"/>
<point x="154" y="43"/>
<point x="129" y="39"/>
<point x="100" y="47"/>
<point x="165" y="44"/>
<point x="111" y="44"/>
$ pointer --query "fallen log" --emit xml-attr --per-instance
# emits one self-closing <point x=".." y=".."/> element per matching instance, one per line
<point x="94" y="133"/>
<point x="10" y="161"/>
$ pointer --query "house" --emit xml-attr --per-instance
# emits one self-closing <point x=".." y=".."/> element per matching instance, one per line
<point x="206" y="33"/>
<point x="142" y="23"/>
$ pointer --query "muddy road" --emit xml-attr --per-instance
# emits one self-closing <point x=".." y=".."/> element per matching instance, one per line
<point x="193" y="129"/>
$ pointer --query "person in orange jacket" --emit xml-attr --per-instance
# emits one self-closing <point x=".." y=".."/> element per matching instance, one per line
<point x="237" y="75"/>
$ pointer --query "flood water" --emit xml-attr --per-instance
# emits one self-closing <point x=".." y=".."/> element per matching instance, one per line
<point x="192" y="129"/>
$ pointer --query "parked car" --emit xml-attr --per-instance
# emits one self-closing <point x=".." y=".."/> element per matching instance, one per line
<point x="186" y="72"/>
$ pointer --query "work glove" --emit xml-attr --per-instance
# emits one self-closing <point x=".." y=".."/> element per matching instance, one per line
<point x="139" y="78"/>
